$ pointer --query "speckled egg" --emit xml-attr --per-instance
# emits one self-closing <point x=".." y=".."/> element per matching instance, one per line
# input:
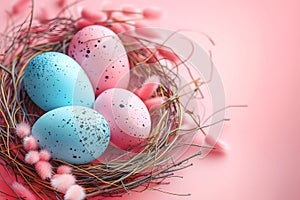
<point x="54" y="80"/>
<point x="74" y="134"/>
<point x="127" y="116"/>
<point x="102" y="55"/>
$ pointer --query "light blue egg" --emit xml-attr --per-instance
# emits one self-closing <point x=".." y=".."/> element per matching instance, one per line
<point x="74" y="134"/>
<point x="54" y="80"/>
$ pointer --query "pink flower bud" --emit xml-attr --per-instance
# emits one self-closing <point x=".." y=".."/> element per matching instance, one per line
<point x="141" y="24"/>
<point x="83" y="23"/>
<point x="152" y="13"/>
<point x="218" y="144"/>
<point x="93" y="16"/>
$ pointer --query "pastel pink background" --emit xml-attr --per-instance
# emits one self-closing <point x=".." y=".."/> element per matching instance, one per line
<point x="258" y="56"/>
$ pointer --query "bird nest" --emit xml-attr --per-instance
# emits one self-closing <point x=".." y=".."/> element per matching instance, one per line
<point x="115" y="173"/>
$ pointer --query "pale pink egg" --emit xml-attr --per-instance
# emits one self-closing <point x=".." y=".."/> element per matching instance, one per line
<point x="103" y="57"/>
<point x="127" y="116"/>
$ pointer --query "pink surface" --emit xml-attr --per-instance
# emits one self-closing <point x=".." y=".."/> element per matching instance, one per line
<point x="258" y="55"/>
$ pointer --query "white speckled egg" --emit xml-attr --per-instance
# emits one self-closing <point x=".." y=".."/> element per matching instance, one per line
<point x="127" y="116"/>
<point x="102" y="55"/>
<point x="54" y="80"/>
<point x="74" y="134"/>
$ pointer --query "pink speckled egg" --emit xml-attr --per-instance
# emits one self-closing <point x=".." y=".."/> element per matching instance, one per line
<point x="103" y="57"/>
<point x="127" y="116"/>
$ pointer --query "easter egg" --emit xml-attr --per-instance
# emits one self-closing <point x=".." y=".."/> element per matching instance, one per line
<point x="102" y="55"/>
<point x="74" y="134"/>
<point x="54" y="80"/>
<point x="127" y="116"/>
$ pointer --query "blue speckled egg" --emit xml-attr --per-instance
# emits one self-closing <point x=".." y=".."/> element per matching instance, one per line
<point x="74" y="134"/>
<point x="54" y="80"/>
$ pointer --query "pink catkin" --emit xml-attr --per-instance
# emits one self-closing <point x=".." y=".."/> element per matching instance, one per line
<point x="152" y="13"/>
<point x="64" y="169"/>
<point x="44" y="169"/>
<point x="30" y="143"/>
<point x="62" y="182"/>
<point x="23" y="129"/>
<point x="45" y="155"/>
<point x="93" y="16"/>
<point x="75" y="192"/>
<point x="32" y="157"/>
<point x="22" y="191"/>
<point x="154" y="102"/>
